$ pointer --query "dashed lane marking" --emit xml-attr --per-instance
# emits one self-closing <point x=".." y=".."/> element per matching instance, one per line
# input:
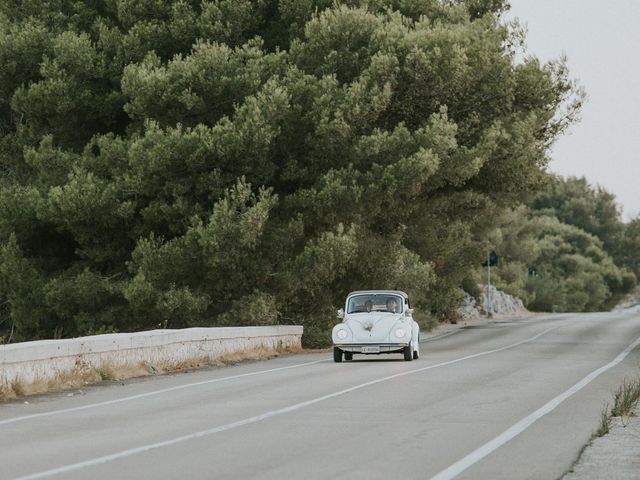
<point x="264" y="416"/>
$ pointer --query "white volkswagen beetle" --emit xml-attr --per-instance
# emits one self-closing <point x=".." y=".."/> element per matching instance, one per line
<point x="374" y="322"/>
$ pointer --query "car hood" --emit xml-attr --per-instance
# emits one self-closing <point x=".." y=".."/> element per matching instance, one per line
<point x="372" y="327"/>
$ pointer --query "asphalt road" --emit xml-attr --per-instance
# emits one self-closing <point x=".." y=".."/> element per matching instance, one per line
<point x="505" y="400"/>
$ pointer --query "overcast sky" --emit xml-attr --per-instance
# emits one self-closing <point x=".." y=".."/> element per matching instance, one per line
<point x="602" y="43"/>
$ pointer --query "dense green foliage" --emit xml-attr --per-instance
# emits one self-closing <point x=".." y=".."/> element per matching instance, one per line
<point x="570" y="251"/>
<point x="218" y="162"/>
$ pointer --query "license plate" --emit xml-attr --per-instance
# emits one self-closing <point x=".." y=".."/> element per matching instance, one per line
<point x="375" y="349"/>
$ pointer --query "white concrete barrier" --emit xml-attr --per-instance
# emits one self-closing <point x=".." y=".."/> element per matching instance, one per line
<point x="47" y="360"/>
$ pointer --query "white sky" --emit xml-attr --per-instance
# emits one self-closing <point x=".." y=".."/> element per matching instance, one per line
<point x="602" y="43"/>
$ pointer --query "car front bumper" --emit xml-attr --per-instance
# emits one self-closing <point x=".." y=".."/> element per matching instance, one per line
<point x="371" y="348"/>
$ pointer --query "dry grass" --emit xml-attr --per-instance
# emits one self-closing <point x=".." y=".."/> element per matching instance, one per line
<point x="7" y="392"/>
<point x="260" y="353"/>
<point x="626" y="399"/>
<point x="75" y="378"/>
<point x="18" y="387"/>
<point x="605" y="422"/>
<point x="85" y="374"/>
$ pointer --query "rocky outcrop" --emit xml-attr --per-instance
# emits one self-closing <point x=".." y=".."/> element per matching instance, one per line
<point x="631" y="303"/>
<point x="492" y="301"/>
<point x="469" y="309"/>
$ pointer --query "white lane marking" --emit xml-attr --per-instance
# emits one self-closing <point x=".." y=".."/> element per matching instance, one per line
<point x="264" y="416"/>
<point x="489" y="447"/>
<point x="153" y="393"/>
<point x="518" y="322"/>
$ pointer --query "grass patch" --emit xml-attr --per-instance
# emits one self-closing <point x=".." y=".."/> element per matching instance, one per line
<point x="605" y="422"/>
<point x="6" y="392"/>
<point x="18" y="387"/>
<point x="105" y="373"/>
<point x="258" y="353"/>
<point x="626" y="399"/>
<point x="85" y="373"/>
<point x="14" y="388"/>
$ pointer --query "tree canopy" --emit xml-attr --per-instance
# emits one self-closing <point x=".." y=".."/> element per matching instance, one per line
<point x="182" y="162"/>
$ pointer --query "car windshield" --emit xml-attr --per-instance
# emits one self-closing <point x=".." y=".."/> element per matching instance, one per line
<point x="375" y="302"/>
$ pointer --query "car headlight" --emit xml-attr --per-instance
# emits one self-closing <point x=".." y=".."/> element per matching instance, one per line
<point x="400" y="332"/>
<point x="341" y="334"/>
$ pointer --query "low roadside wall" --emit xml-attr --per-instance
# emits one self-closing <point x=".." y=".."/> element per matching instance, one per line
<point x="49" y="361"/>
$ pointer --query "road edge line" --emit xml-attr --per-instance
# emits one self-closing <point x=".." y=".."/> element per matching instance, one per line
<point x="464" y="463"/>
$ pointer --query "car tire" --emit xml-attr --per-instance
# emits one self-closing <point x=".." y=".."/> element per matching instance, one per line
<point x="337" y="355"/>
<point x="408" y="353"/>
<point x="416" y="352"/>
<point x="348" y="355"/>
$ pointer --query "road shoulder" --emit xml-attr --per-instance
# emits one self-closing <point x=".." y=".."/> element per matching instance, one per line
<point x="615" y="455"/>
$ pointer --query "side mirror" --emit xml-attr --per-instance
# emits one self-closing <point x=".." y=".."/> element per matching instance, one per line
<point x="341" y="313"/>
<point x="408" y="312"/>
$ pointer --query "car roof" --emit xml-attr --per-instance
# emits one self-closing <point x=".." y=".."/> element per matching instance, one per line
<point x="396" y="292"/>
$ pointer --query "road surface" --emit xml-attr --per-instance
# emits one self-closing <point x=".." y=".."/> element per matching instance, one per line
<point x="506" y="400"/>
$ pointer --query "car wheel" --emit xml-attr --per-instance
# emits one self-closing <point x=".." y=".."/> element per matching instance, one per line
<point x="337" y="355"/>
<point x="408" y="353"/>
<point x="416" y="352"/>
<point x="348" y="355"/>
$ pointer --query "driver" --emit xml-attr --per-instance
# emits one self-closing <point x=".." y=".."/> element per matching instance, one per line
<point x="392" y="305"/>
<point x="368" y="306"/>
